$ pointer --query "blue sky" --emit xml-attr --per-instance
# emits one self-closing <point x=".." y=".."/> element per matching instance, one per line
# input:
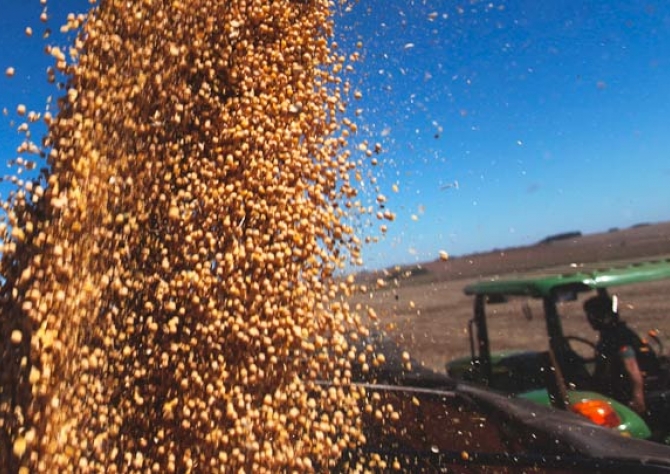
<point x="551" y="116"/>
<point x="25" y="54"/>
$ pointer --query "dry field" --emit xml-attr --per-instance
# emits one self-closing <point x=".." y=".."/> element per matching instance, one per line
<point x="430" y="313"/>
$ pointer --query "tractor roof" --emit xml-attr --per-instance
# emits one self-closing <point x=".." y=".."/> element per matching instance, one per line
<point x="541" y="286"/>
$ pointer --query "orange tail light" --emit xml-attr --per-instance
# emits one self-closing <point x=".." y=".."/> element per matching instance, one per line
<point x="598" y="411"/>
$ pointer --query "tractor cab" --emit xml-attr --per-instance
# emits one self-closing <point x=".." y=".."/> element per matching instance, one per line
<point x="531" y="334"/>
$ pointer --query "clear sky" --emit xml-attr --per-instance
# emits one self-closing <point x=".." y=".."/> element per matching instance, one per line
<point x="550" y="116"/>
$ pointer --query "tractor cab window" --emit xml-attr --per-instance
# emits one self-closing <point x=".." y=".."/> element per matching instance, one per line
<point x="576" y="328"/>
<point x="516" y="325"/>
<point x="643" y="307"/>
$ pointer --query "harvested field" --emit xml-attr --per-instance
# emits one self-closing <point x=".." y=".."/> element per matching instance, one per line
<point x="429" y="312"/>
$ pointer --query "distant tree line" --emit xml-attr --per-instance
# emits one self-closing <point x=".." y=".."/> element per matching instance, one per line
<point x="561" y="236"/>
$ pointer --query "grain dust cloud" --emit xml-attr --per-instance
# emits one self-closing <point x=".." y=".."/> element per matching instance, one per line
<point x="169" y="294"/>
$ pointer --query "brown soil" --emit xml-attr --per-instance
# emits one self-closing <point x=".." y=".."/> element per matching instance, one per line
<point x="425" y="306"/>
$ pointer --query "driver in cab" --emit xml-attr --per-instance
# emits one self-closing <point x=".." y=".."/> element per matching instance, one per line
<point x="618" y="353"/>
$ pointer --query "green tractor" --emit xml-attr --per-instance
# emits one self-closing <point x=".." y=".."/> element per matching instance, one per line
<point x="556" y="365"/>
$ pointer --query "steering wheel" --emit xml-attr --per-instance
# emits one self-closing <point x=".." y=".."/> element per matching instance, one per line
<point x="589" y="343"/>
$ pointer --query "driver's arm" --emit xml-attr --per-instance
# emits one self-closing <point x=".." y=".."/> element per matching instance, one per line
<point x="637" y="383"/>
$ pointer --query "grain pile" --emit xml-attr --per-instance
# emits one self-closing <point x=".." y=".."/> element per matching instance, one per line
<point x="169" y="295"/>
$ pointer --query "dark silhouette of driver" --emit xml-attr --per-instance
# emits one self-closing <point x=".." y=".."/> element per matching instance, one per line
<point x="619" y="353"/>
